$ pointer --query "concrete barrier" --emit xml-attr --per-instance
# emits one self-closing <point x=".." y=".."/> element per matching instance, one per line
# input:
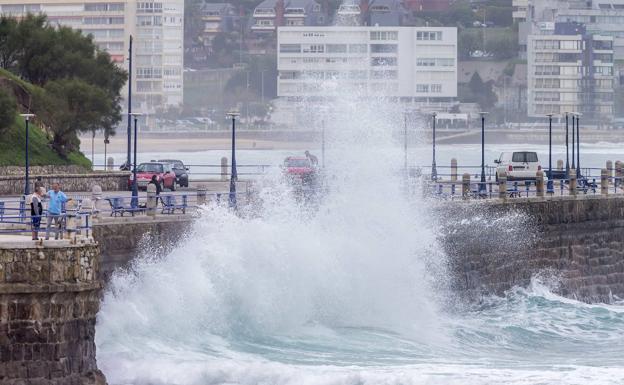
<point x="572" y="185"/>
<point x="465" y="185"/>
<point x="110" y="163"/>
<point x="539" y="183"/>
<point x="201" y="195"/>
<point x="453" y="170"/>
<point x="559" y="164"/>
<point x="604" y="181"/>
<point x="152" y="200"/>
<point x="502" y="186"/>
<point x="609" y="169"/>
<point x="224" y="168"/>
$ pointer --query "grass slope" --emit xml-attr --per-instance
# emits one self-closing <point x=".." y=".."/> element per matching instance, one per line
<point x="13" y="145"/>
<point x="13" y="140"/>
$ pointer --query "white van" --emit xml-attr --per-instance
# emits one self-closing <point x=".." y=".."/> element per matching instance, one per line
<point x="519" y="165"/>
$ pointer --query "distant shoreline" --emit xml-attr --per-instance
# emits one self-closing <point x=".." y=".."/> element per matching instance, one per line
<point x="301" y="140"/>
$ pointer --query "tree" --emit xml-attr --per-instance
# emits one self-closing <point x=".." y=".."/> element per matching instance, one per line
<point x="482" y="92"/>
<point x="8" y="109"/>
<point x="9" y="46"/>
<point x="71" y="106"/>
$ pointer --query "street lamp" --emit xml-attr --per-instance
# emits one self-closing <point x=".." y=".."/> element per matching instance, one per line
<point x="106" y="143"/>
<point x="578" y="146"/>
<point x="234" y="175"/>
<point x="482" y="188"/>
<point x="135" y="188"/>
<point x="434" y="171"/>
<point x="573" y="140"/>
<point x="549" y="186"/>
<point x="27" y="118"/>
<point x="567" y="150"/>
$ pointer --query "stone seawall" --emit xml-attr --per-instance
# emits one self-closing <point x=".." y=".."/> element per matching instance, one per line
<point x="109" y="181"/>
<point x="122" y="240"/>
<point x="49" y="298"/>
<point x="579" y="241"/>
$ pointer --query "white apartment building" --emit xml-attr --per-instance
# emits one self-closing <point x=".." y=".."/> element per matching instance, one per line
<point x="570" y="73"/>
<point x="156" y="25"/>
<point x="520" y="8"/>
<point x="410" y="63"/>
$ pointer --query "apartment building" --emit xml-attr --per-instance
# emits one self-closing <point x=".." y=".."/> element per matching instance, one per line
<point x="571" y="71"/>
<point x="520" y="8"/>
<point x="270" y="14"/>
<point x="411" y="63"/>
<point x="217" y="18"/>
<point x="157" y="27"/>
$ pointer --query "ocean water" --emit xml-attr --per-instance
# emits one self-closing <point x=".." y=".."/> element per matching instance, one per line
<point x="349" y="289"/>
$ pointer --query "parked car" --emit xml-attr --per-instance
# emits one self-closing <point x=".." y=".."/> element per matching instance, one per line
<point x="299" y="167"/>
<point x="518" y="165"/>
<point x="180" y="170"/>
<point x="163" y="171"/>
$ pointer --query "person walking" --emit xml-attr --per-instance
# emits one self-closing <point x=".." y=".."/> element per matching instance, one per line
<point x="312" y="158"/>
<point x="155" y="182"/>
<point x="36" y="211"/>
<point x="55" y="208"/>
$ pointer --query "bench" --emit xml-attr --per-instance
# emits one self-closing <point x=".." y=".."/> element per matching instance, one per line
<point x="170" y="204"/>
<point x="118" y="208"/>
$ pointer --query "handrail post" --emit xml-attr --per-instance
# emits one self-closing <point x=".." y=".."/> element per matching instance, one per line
<point x="201" y="195"/>
<point x="152" y="200"/>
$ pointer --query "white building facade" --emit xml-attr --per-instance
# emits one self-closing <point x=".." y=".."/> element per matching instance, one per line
<point x="157" y="28"/>
<point x="408" y="63"/>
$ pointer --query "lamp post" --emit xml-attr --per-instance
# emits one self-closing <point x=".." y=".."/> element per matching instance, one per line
<point x="573" y="140"/>
<point x="567" y="150"/>
<point x="135" y="188"/>
<point x="549" y="186"/>
<point x="323" y="143"/>
<point x="234" y="173"/>
<point x="129" y="99"/>
<point x="578" y="146"/>
<point x="106" y="143"/>
<point x="434" y="171"/>
<point x="405" y="143"/>
<point x="27" y="118"/>
<point x="482" y="188"/>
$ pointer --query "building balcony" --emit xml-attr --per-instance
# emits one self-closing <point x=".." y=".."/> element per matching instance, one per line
<point x="217" y="19"/>
<point x="260" y="28"/>
<point x="264" y="13"/>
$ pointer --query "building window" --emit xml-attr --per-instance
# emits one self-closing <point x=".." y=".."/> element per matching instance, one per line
<point x="384" y="48"/>
<point x="145" y="7"/>
<point x="383" y="61"/>
<point x="313" y="48"/>
<point x="429" y="35"/>
<point x="316" y="8"/>
<point x="570" y="45"/>
<point x="384" y="74"/>
<point x="546" y="44"/>
<point x="336" y="48"/>
<point x="265" y="22"/>
<point x="436" y="88"/>
<point x="290" y="48"/>
<point x="294" y="22"/>
<point x="602" y="70"/>
<point x="547" y="70"/>
<point x="103" y="20"/>
<point x="384" y="35"/>
<point x="358" y="48"/>
<point x="422" y="88"/>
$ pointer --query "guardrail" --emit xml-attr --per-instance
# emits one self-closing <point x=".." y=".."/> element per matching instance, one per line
<point x="473" y="189"/>
<point x="15" y="217"/>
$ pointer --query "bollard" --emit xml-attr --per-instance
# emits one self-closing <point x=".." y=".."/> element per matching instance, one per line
<point x="110" y="163"/>
<point x="610" y="169"/>
<point x="572" y="185"/>
<point x="224" y="169"/>
<point x="453" y="170"/>
<point x="560" y="165"/>
<point x="71" y="210"/>
<point x="604" y="181"/>
<point x="152" y="200"/>
<point x="466" y="185"/>
<point x="618" y="169"/>
<point x="201" y="195"/>
<point x="96" y="197"/>
<point x="502" y="185"/>
<point x="539" y="183"/>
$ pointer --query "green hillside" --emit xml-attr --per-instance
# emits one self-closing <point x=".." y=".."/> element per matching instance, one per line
<point x="13" y="142"/>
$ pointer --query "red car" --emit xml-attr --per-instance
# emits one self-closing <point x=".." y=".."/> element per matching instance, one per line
<point x="164" y="175"/>
<point x="299" y="167"/>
